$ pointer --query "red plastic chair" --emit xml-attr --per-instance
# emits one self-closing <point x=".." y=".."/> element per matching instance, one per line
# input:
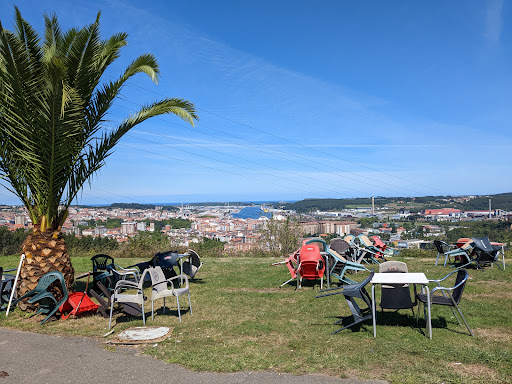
<point x="291" y="264"/>
<point x="311" y="264"/>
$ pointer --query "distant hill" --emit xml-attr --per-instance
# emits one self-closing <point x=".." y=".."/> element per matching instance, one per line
<point x="310" y="205"/>
<point x="481" y="203"/>
<point x="142" y="206"/>
<point x="499" y="201"/>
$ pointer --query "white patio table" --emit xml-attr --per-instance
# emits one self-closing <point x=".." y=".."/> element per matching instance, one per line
<point x="400" y="278"/>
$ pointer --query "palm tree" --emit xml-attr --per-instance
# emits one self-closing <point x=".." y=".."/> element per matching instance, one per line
<point x="53" y="136"/>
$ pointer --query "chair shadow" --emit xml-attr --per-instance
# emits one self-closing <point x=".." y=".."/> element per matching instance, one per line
<point x="170" y="312"/>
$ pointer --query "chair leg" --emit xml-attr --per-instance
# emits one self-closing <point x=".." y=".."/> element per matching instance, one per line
<point x="455" y="315"/>
<point x="286" y="282"/>
<point x="152" y="311"/>
<point x="437" y="259"/>
<point x="143" y="314"/>
<point x="189" y="303"/>
<point x="463" y="318"/>
<point x="111" y="309"/>
<point x="446" y="259"/>
<point x="178" y="303"/>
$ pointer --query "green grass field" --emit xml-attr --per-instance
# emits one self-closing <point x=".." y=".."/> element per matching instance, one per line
<point x="242" y="321"/>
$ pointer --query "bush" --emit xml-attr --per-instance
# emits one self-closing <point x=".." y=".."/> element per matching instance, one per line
<point x="10" y="242"/>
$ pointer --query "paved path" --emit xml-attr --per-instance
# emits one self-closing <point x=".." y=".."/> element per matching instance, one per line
<point x="34" y="358"/>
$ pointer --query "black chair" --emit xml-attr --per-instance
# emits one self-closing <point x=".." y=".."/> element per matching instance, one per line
<point x="484" y="253"/>
<point x="6" y="283"/>
<point x="165" y="260"/>
<point x="442" y="249"/>
<point x="193" y="264"/>
<point x="395" y="296"/>
<point x="100" y="272"/>
<point x="352" y="292"/>
<point x="450" y="295"/>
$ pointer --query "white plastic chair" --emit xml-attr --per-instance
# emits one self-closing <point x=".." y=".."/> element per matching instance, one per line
<point x="121" y="297"/>
<point x="162" y="288"/>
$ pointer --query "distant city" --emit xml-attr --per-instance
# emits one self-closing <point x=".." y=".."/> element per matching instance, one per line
<point x="240" y="226"/>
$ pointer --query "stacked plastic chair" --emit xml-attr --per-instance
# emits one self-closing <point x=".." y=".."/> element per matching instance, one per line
<point x="42" y="295"/>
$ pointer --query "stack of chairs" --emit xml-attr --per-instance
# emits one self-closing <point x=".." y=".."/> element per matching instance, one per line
<point x="305" y="263"/>
<point x="340" y="257"/>
<point x="483" y="253"/>
<point x="370" y="253"/>
<point x="47" y="298"/>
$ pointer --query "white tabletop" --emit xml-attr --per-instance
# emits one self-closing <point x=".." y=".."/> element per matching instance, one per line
<point x="399" y="278"/>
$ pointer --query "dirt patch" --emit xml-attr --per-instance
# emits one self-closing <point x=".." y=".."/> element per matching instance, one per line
<point x="502" y="295"/>
<point x="487" y="374"/>
<point x="491" y="283"/>
<point x="502" y="335"/>
<point x="377" y="371"/>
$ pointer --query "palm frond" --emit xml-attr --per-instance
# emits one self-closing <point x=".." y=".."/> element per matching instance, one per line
<point x="52" y="106"/>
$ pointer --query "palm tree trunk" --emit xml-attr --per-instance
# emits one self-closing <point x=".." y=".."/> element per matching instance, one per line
<point x="45" y="252"/>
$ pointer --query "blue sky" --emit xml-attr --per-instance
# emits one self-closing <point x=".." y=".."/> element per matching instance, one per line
<point x="306" y="99"/>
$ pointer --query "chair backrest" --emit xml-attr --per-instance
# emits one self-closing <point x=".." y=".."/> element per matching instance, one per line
<point x="483" y="244"/>
<point x="393" y="267"/>
<point x="310" y="252"/>
<point x="379" y="243"/>
<point x="484" y="251"/>
<point x="100" y="262"/>
<point x="45" y="281"/>
<point x="349" y="238"/>
<point x="364" y="240"/>
<point x="157" y="277"/>
<point x="439" y="246"/>
<point x="165" y="259"/>
<point x="193" y="263"/>
<point x="395" y="296"/>
<point x="363" y="283"/>
<point x="48" y="279"/>
<point x="311" y="264"/>
<point x="316" y="240"/>
<point x="339" y="245"/>
<point x="462" y="278"/>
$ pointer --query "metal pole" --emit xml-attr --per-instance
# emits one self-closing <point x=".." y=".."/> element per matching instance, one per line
<point x="22" y="259"/>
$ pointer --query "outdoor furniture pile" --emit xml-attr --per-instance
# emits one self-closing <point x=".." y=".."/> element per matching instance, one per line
<point x="372" y="253"/>
<point x="171" y="259"/>
<point x="113" y="285"/>
<point x="477" y="251"/>
<point x="315" y="258"/>
<point x="107" y="272"/>
<point x="305" y="263"/>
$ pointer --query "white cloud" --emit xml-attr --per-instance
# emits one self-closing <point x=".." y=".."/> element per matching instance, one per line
<point x="493" y="21"/>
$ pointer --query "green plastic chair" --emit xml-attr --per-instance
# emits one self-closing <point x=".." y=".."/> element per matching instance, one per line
<point x="48" y="304"/>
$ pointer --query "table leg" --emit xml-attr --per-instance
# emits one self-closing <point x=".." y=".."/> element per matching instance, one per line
<point x="429" y="321"/>
<point x="374" y="314"/>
